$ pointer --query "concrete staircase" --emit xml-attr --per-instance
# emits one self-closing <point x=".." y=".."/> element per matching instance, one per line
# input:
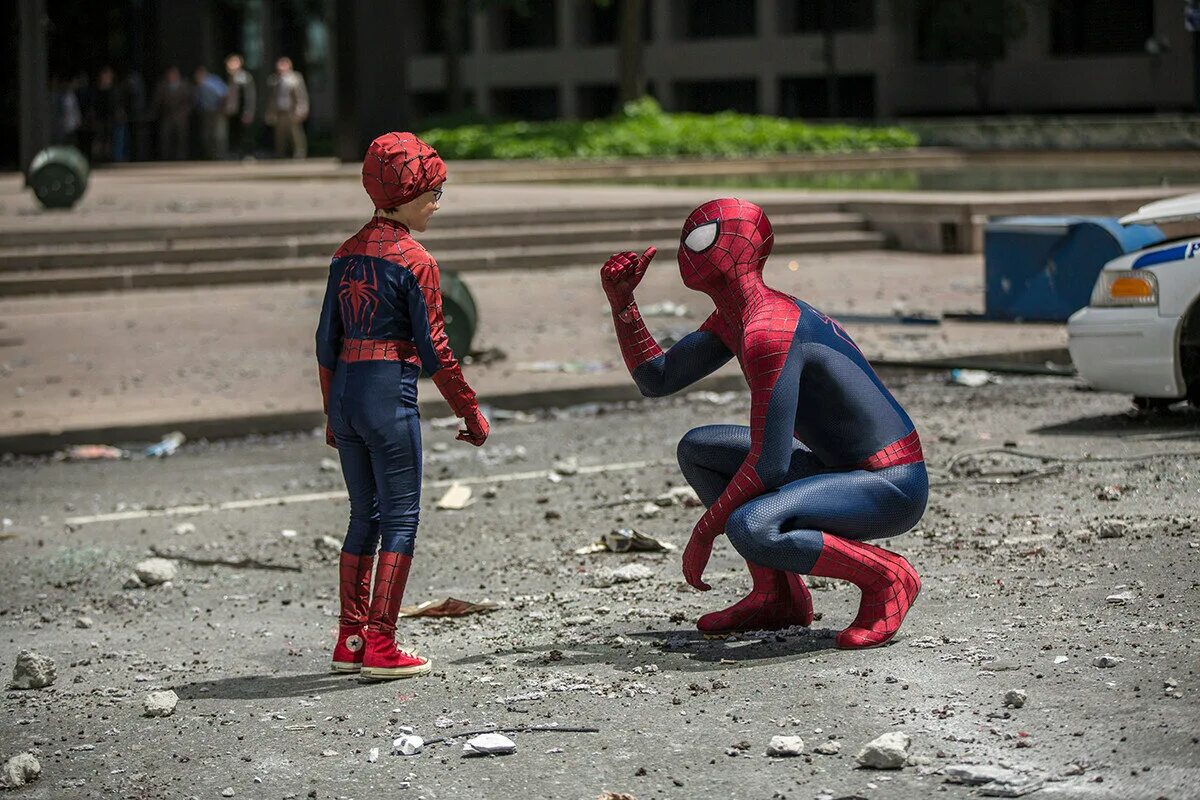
<point x="147" y="256"/>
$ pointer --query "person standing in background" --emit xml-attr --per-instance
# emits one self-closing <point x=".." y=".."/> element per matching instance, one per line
<point x="107" y="115"/>
<point x="129" y="137"/>
<point x="287" y="108"/>
<point x="210" y="104"/>
<point x="172" y="108"/>
<point x="238" y="112"/>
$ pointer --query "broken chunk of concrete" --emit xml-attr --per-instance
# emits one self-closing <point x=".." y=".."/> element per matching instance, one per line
<point x="20" y="770"/>
<point x="785" y="746"/>
<point x="889" y="751"/>
<point x="408" y="745"/>
<point x="155" y="571"/>
<point x="33" y="671"/>
<point x="160" y="704"/>
<point x="489" y="744"/>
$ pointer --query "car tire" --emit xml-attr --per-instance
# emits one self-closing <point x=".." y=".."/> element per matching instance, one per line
<point x="1189" y="353"/>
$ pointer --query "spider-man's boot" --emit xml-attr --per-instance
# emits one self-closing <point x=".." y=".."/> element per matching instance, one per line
<point x="382" y="658"/>
<point x="889" y="587"/>
<point x="354" y="588"/>
<point x="777" y="600"/>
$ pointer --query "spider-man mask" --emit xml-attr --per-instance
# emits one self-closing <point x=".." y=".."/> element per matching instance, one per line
<point x="722" y="242"/>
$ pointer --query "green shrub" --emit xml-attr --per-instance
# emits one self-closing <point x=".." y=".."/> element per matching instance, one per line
<point x="642" y="129"/>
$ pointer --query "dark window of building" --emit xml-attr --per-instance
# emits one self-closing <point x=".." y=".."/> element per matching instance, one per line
<point x="712" y="19"/>
<point x="709" y="97"/>
<point x="812" y="16"/>
<point x="596" y="100"/>
<point x="527" y="25"/>
<point x="809" y="97"/>
<point x="1097" y="27"/>
<point x="526" y="102"/>
<point x="432" y="33"/>
<point x="598" y="22"/>
<point x="947" y="31"/>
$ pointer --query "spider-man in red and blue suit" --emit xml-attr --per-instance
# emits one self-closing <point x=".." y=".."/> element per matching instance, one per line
<point x="829" y="460"/>
<point x="381" y="325"/>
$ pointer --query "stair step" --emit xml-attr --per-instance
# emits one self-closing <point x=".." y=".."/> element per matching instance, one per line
<point x="317" y="268"/>
<point x="188" y="230"/>
<point x="128" y="254"/>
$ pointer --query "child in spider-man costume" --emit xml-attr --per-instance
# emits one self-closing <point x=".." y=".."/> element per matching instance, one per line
<point x="830" y="458"/>
<point x="381" y="324"/>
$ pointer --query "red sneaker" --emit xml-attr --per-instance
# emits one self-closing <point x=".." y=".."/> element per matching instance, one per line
<point x="382" y="659"/>
<point x="354" y="590"/>
<point x="888" y="582"/>
<point x="777" y="600"/>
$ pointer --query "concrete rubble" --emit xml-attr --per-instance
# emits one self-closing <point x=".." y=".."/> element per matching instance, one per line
<point x="33" y="671"/>
<point x="889" y="751"/>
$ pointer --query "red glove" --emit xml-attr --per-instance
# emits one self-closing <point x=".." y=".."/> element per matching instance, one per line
<point x="461" y="399"/>
<point x="695" y="559"/>
<point x="326" y="377"/>
<point x="621" y="274"/>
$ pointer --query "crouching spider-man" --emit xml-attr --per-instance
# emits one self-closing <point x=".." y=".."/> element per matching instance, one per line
<point x="829" y="460"/>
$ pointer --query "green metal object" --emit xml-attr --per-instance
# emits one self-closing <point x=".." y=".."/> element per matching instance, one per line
<point x="458" y="308"/>
<point x="58" y="176"/>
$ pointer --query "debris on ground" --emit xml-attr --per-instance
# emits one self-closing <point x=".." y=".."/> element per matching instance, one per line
<point x="160" y="704"/>
<point x="889" y="751"/>
<point x="167" y="445"/>
<point x="456" y="498"/>
<point x="489" y="744"/>
<point x="184" y="528"/>
<point x="1106" y="661"/>
<point x="971" y="378"/>
<point x="713" y="398"/>
<point x="1015" y="698"/>
<point x="624" y="540"/>
<point x="330" y="465"/>
<point x="1112" y="528"/>
<point x="626" y="574"/>
<point x="447" y="607"/>
<point x="993" y="781"/>
<point x="327" y="546"/>
<point x="828" y="747"/>
<point x="566" y="367"/>
<point x="94" y="452"/>
<point x="666" y="308"/>
<point x="20" y="770"/>
<point x="408" y="745"/>
<point x="155" y="571"/>
<point x="785" y="746"/>
<point x="488" y="355"/>
<point x="33" y="671"/>
<point x="233" y="562"/>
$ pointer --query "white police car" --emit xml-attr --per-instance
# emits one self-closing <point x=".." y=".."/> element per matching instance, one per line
<point x="1140" y="333"/>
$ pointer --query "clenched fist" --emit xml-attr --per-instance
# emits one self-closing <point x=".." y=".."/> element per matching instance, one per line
<point x="621" y="274"/>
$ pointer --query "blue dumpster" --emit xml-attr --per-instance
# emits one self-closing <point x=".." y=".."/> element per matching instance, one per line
<point x="1044" y="268"/>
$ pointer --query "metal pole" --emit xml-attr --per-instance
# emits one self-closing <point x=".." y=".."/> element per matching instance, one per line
<point x="34" y="128"/>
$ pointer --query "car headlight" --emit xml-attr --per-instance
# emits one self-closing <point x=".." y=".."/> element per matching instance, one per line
<point x="1128" y="287"/>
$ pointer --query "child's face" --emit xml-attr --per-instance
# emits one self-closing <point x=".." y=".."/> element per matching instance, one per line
<point x="422" y="208"/>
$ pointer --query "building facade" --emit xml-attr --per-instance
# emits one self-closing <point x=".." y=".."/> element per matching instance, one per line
<point x="777" y="57"/>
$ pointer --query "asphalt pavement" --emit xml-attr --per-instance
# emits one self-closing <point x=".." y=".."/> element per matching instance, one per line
<point x="1060" y="531"/>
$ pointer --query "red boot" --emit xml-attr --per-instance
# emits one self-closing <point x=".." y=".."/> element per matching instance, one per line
<point x="777" y="600"/>
<point x="382" y="659"/>
<point x="354" y="587"/>
<point x="889" y="588"/>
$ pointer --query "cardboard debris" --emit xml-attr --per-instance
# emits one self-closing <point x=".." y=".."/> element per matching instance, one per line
<point x="457" y="497"/>
<point x="625" y="540"/>
<point x="447" y="607"/>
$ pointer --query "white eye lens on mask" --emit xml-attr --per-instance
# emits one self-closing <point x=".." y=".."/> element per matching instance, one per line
<point x="702" y="237"/>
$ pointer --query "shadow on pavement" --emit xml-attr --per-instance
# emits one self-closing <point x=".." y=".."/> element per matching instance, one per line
<point x="669" y="650"/>
<point x="253" y="687"/>
<point x="1183" y="423"/>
